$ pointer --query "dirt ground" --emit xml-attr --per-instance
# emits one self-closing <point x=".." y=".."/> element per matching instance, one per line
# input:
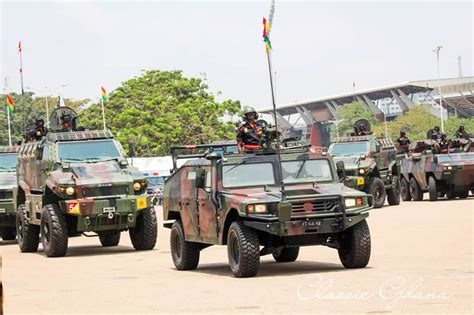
<point x="422" y="262"/>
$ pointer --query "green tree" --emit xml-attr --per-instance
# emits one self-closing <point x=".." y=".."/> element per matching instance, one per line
<point x="159" y="109"/>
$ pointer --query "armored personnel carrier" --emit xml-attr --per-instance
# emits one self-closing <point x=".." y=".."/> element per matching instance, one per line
<point x="243" y="201"/>
<point x="74" y="181"/>
<point x="439" y="171"/>
<point x="8" y="156"/>
<point x="371" y="164"/>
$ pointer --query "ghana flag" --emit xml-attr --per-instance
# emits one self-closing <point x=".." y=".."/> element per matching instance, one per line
<point x="266" y="35"/>
<point x="10" y="105"/>
<point x="104" y="95"/>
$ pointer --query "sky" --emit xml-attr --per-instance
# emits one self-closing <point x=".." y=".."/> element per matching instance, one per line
<point x="319" y="48"/>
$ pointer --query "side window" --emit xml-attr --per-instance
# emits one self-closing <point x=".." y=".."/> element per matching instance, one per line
<point x="46" y="153"/>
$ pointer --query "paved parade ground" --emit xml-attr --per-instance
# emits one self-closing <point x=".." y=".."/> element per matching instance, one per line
<point x="422" y="261"/>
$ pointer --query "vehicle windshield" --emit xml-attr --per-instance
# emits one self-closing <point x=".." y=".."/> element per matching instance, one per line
<point x="156" y="181"/>
<point x="8" y="162"/>
<point x="258" y="174"/>
<point x="349" y="148"/>
<point x="88" y="151"/>
<point x="306" y="171"/>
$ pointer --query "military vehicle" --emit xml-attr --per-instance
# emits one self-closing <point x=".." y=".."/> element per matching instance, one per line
<point x="426" y="168"/>
<point x="219" y="197"/>
<point x="75" y="181"/>
<point x="371" y="164"/>
<point x="8" y="157"/>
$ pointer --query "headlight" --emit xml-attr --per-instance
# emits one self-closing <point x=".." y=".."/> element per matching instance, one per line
<point x="448" y="168"/>
<point x="137" y="186"/>
<point x="70" y="191"/>
<point x="258" y="208"/>
<point x="362" y="171"/>
<point x="354" y="202"/>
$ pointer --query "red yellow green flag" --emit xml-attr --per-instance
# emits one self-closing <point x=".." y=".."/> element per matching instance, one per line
<point x="104" y="95"/>
<point x="10" y="105"/>
<point x="266" y="35"/>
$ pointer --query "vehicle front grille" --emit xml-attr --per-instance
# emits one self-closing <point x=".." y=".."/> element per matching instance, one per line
<point x="104" y="191"/>
<point x="318" y="206"/>
<point x="6" y="195"/>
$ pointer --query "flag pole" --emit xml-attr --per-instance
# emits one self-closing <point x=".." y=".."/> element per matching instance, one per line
<point x="103" y="113"/>
<point x="9" y="128"/>
<point x="21" y="68"/>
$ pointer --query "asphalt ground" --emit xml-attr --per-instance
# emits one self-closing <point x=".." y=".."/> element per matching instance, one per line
<point x="422" y="262"/>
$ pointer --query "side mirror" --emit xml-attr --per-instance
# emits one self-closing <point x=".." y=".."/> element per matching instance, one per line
<point x="341" y="171"/>
<point x="200" y="178"/>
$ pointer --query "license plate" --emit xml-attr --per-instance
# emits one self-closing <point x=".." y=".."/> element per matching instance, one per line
<point x="312" y="223"/>
<point x="3" y="210"/>
<point x="109" y="209"/>
<point x="141" y="202"/>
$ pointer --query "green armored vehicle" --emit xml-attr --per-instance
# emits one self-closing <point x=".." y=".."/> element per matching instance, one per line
<point x="439" y="170"/>
<point x="8" y="157"/>
<point x="219" y="197"/>
<point x="72" y="182"/>
<point x="371" y="164"/>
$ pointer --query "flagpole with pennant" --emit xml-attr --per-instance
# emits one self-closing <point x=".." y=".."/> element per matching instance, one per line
<point x="10" y="108"/>
<point x="21" y="67"/>
<point x="104" y="100"/>
<point x="268" y="49"/>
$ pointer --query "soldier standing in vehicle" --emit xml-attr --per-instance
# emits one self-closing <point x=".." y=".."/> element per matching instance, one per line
<point x="250" y="131"/>
<point x="403" y="142"/>
<point x="461" y="133"/>
<point x="39" y="131"/>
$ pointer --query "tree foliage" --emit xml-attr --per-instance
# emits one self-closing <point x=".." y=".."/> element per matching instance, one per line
<point x="160" y="109"/>
<point x="349" y="114"/>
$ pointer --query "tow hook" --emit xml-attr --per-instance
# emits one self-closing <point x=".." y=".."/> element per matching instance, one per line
<point x="87" y="221"/>
<point x="130" y="218"/>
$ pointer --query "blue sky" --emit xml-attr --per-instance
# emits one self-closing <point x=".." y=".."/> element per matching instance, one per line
<point x="320" y="48"/>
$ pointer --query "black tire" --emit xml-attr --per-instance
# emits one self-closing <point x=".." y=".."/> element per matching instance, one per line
<point x="377" y="189"/>
<point x="243" y="250"/>
<point x="393" y="194"/>
<point x="463" y="194"/>
<point x="185" y="254"/>
<point x="355" y="246"/>
<point x="405" y="189"/>
<point x="415" y="190"/>
<point x="28" y="234"/>
<point x="9" y="234"/>
<point x="287" y="254"/>
<point x="145" y="232"/>
<point x="432" y="190"/>
<point x="109" y="238"/>
<point x="54" y="231"/>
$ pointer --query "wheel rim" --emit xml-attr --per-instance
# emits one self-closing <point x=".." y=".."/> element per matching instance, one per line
<point x="234" y="250"/>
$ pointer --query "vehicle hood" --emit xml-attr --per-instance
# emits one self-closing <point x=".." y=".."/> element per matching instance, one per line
<point x="7" y="180"/>
<point x="91" y="174"/>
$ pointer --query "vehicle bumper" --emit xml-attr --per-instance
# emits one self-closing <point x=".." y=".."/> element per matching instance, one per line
<point x="7" y="213"/>
<point x="308" y="226"/>
<point x="105" y="214"/>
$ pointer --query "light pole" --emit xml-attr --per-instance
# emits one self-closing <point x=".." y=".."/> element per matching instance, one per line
<point x="439" y="88"/>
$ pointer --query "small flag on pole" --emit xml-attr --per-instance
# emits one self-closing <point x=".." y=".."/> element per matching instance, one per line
<point x="266" y="35"/>
<point x="104" y="95"/>
<point x="11" y="106"/>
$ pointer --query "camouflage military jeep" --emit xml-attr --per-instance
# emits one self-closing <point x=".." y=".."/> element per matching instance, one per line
<point x="73" y="182"/>
<point x="371" y="166"/>
<point x="450" y="173"/>
<point x="8" y="157"/>
<point x="223" y="198"/>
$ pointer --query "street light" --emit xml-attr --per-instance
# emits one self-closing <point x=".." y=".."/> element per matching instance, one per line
<point x="337" y="122"/>
<point x="439" y="88"/>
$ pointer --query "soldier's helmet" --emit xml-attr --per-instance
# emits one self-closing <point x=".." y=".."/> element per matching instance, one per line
<point x="436" y="128"/>
<point x="249" y="114"/>
<point x="402" y="133"/>
<point x="39" y="121"/>
<point x="461" y="128"/>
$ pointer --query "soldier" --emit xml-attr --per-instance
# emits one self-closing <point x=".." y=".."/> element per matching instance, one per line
<point x="443" y="143"/>
<point x="39" y="130"/>
<point x="403" y="142"/>
<point x="461" y="133"/>
<point x="249" y="134"/>
<point x="434" y="133"/>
